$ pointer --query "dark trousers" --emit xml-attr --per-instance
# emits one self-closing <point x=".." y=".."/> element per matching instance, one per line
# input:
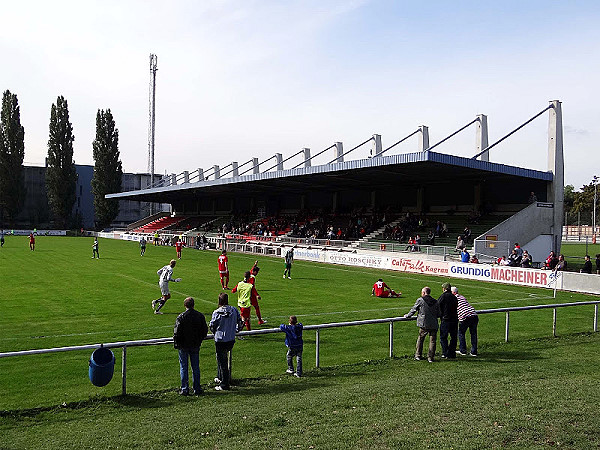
<point x="448" y="328"/>
<point x="222" y="350"/>
<point x="470" y="323"/>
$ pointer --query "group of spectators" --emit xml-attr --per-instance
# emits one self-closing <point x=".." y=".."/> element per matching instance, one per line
<point x="350" y="227"/>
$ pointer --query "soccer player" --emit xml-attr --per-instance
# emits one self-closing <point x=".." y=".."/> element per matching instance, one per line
<point x="95" y="251"/>
<point x="382" y="290"/>
<point x="31" y="242"/>
<point x="245" y="290"/>
<point x="142" y="246"/>
<point x="289" y="259"/>
<point x="178" y="246"/>
<point x="254" y="298"/>
<point x="224" y="270"/>
<point x="164" y="276"/>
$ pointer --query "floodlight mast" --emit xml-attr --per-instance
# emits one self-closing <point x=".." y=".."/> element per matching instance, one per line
<point x="152" y="99"/>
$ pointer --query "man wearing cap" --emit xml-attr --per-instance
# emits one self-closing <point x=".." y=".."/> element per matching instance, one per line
<point x="448" y="304"/>
<point x="467" y="320"/>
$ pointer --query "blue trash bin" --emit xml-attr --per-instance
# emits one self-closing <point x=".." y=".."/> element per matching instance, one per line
<point x="102" y="366"/>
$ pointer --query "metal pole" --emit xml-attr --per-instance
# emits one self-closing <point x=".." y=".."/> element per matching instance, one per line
<point x="391" y="339"/>
<point x="595" y="317"/>
<point x="124" y="371"/>
<point x="554" y="322"/>
<point x="506" y="328"/>
<point x="317" y="343"/>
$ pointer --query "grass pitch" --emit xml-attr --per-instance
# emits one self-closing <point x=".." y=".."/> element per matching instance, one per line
<point x="60" y="296"/>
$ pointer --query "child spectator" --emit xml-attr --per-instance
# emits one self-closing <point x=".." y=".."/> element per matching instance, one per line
<point x="294" y="343"/>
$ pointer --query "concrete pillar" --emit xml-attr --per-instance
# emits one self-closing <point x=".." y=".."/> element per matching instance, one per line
<point x="217" y="171"/>
<point x="200" y="174"/>
<point x="339" y="152"/>
<point x="255" y="168"/>
<point x="279" y="159"/>
<point x="173" y="179"/>
<point x="481" y="137"/>
<point x="186" y="176"/>
<point x="234" y="169"/>
<point x="376" y="144"/>
<point x="423" y="138"/>
<point x="306" y="157"/>
<point x="556" y="166"/>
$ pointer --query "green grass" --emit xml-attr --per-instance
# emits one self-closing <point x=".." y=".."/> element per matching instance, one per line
<point x="538" y="390"/>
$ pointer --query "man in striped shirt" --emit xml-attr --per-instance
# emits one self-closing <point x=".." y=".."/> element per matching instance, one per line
<point x="467" y="319"/>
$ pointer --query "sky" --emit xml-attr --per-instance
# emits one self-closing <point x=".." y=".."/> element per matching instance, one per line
<point x="239" y="79"/>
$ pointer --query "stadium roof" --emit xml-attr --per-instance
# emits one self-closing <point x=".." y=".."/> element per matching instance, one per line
<point x="381" y="171"/>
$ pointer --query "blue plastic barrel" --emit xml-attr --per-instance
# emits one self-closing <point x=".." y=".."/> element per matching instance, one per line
<point x="102" y="366"/>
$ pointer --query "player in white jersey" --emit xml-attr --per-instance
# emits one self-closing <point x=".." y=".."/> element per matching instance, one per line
<point x="165" y="275"/>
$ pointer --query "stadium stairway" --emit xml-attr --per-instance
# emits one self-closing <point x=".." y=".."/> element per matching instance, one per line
<point x="375" y="233"/>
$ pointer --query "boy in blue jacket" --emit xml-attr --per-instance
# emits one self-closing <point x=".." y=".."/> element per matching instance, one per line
<point x="294" y="343"/>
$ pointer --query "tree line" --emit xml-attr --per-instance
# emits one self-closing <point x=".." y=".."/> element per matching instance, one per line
<point x="580" y="203"/>
<point x="61" y="177"/>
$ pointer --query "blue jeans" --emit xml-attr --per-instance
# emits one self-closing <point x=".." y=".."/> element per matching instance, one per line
<point x="448" y="328"/>
<point x="192" y="353"/>
<point x="470" y="323"/>
<point x="297" y="352"/>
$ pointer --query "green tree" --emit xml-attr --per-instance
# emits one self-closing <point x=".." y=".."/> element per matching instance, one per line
<point x="569" y="197"/>
<point x="108" y="171"/>
<point x="12" y="152"/>
<point x="61" y="177"/>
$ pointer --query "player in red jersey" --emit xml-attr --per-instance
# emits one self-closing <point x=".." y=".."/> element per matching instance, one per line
<point x="178" y="246"/>
<point x="224" y="270"/>
<point x="254" y="297"/>
<point x="380" y="289"/>
<point x="31" y="242"/>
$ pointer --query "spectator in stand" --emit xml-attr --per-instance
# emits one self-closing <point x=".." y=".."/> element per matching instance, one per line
<point x="448" y="304"/>
<point x="431" y="238"/>
<point x="513" y="259"/>
<point x="526" y="261"/>
<point x="587" y="265"/>
<point x="428" y="311"/>
<point x="474" y="259"/>
<point x="503" y="261"/>
<point x="460" y="244"/>
<point x="467" y="320"/>
<point x="519" y="251"/>
<point x="411" y="244"/>
<point x="551" y="261"/>
<point x="467" y="234"/>
<point x="417" y="246"/>
<point x="562" y="264"/>
<point x="464" y="256"/>
<point x="532" y="197"/>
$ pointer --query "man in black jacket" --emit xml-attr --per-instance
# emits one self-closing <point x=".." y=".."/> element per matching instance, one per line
<point x="449" y="321"/>
<point x="190" y="330"/>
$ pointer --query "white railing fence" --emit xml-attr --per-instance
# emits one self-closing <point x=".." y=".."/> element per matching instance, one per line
<point x="390" y="320"/>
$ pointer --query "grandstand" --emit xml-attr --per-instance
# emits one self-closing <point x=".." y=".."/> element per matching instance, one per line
<point x="360" y="201"/>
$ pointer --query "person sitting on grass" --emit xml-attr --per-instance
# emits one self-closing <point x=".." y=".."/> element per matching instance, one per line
<point x="382" y="290"/>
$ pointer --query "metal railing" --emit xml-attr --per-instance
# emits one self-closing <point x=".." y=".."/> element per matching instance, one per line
<point x="390" y="320"/>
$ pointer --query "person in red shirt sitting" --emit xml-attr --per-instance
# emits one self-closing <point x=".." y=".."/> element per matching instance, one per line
<point x="382" y="290"/>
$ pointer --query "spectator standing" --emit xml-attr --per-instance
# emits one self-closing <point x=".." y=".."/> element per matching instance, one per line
<point x="428" y="311"/>
<point x="464" y="256"/>
<point x="587" y="265"/>
<point x="188" y="334"/>
<point x="224" y="323"/>
<point x="294" y="344"/>
<point x="467" y="320"/>
<point x="449" y="321"/>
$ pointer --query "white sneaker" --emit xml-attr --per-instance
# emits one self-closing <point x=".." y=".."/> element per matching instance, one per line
<point x="219" y="388"/>
<point x="289" y="278"/>
<point x="157" y="312"/>
<point x="284" y="277"/>
<point x="458" y="352"/>
<point x="297" y="375"/>
<point x="217" y="380"/>
<point x="289" y="371"/>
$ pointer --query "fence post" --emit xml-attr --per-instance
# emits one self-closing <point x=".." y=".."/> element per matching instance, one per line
<point x="554" y="322"/>
<point x="391" y="339"/>
<point x="124" y="371"/>
<point x="317" y="343"/>
<point x="506" y="328"/>
<point x="596" y="317"/>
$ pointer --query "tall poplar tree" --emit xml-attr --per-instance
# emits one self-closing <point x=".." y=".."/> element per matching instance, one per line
<point x="12" y="152"/>
<point x="61" y="177"/>
<point x="108" y="171"/>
